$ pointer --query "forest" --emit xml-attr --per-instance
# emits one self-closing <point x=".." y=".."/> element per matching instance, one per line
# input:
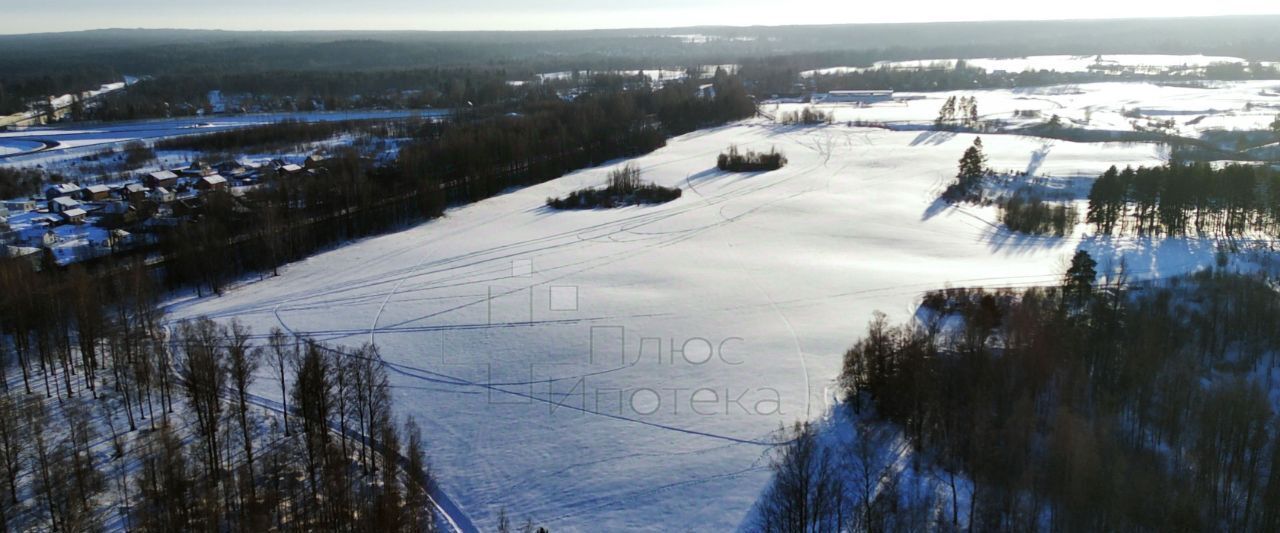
<point x="106" y="405"/>
<point x="1186" y="198"/>
<point x="329" y="66"/>
<point x="287" y="90"/>
<point x="550" y="137"/>
<point x="1121" y="407"/>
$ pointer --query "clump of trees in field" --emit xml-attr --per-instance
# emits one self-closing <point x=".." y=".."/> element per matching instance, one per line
<point x="108" y="407"/>
<point x="972" y="170"/>
<point x="138" y="153"/>
<point x="1186" y="198"/>
<point x="806" y="117"/>
<point x="1026" y="212"/>
<point x="1076" y="407"/>
<point x="624" y="188"/>
<point x="962" y="112"/>
<point x="749" y="161"/>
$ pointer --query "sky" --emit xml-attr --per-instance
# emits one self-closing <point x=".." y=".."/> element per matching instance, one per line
<point x="35" y="16"/>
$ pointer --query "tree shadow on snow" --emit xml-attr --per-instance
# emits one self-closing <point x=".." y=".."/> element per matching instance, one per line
<point x="1003" y="240"/>
<point x="932" y="138"/>
<point x="936" y="208"/>
<point x="1151" y="256"/>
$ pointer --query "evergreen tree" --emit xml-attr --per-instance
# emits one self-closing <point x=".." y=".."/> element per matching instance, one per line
<point x="973" y="167"/>
<point x="948" y="111"/>
<point x="1081" y="274"/>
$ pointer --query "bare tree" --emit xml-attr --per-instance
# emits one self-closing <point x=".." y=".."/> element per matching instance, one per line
<point x="806" y="495"/>
<point x="243" y="360"/>
<point x="282" y="353"/>
<point x="204" y="376"/>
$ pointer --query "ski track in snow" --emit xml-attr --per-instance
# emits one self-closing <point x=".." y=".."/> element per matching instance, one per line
<point x="791" y="263"/>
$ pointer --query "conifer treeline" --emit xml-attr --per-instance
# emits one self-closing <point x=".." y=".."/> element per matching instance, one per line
<point x="1069" y="408"/>
<point x="1183" y="199"/>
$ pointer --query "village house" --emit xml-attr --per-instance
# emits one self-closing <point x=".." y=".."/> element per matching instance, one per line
<point x="61" y="189"/>
<point x="164" y="178"/>
<point x="161" y="195"/>
<point x="63" y="203"/>
<point x="95" y="193"/>
<point x="314" y="161"/>
<point x="135" y="192"/>
<point x="50" y="239"/>
<point x="19" y="206"/>
<point x="74" y="216"/>
<point x="199" y="169"/>
<point x="212" y="183"/>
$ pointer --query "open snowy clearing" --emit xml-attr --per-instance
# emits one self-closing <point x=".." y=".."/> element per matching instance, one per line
<point x="1226" y="106"/>
<point x="599" y="370"/>
<point x="1141" y="63"/>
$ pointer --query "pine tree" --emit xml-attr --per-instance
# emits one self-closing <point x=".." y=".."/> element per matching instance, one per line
<point x="973" y="167"/>
<point x="1081" y="274"/>
<point x="948" y="111"/>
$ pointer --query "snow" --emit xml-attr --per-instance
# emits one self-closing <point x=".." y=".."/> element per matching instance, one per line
<point x="1251" y="105"/>
<point x="656" y="74"/>
<point x="600" y="370"/>
<point x="1140" y="63"/>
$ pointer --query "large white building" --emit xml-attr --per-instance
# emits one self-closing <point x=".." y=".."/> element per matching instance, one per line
<point x="857" y="97"/>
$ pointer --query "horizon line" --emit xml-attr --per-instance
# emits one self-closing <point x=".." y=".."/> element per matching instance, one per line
<point x="640" y="28"/>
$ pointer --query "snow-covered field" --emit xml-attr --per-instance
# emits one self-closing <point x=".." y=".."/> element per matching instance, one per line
<point x="1249" y="105"/>
<point x="1140" y="63"/>
<point x="617" y="369"/>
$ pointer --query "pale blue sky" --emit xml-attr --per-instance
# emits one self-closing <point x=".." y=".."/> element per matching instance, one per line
<point x="31" y="16"/>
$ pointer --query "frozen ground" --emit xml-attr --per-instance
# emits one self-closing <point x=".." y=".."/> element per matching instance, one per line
<point x="1227" y="106"/>
<point x="1150" y="64"/>
<point x="617" y="369"/>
